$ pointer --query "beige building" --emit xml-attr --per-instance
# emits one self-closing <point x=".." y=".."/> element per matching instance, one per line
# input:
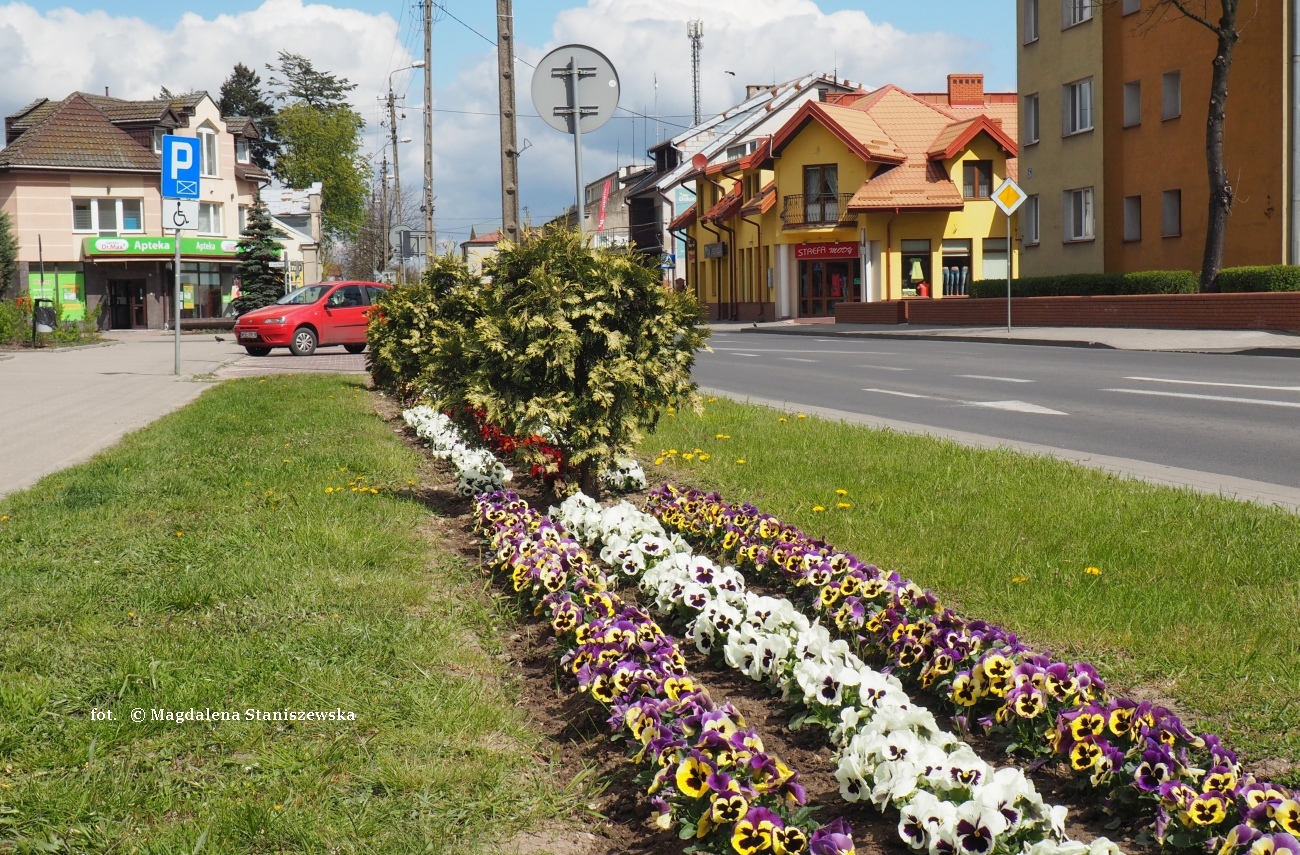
<point x="81" y="181"/>
<point x="478" y="249"/>
<point x="1060" y="85"/>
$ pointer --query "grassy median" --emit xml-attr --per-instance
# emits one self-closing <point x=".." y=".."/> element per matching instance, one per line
<point x="1172" y="594"/>
<point x="251" y="554"/>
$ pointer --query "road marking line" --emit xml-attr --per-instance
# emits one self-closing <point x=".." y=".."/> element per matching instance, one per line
<point x="884" y="368"/>
<point x="738" y="353"/>
<point x="840" y="352"/>
<point x="1209" y="383"/>
<point x="1016" y="407"/>
<point x="1261" y="401"/>
<point x="903" y="394"/>
<point x="987" y="377"/>
<point x="797" y="359"/>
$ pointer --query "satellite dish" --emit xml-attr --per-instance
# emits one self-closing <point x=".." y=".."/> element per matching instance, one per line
<point x="594" y="83"/>
<point x="700" y="161"/>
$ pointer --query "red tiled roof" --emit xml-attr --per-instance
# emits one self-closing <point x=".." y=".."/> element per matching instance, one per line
<point x="958" y="135"/>
<point x="750" y="161"/>
<point x="77" y="135"/>
<point x="854" y="127"/>
<point x="916" y="184"/>
<point x="762" y="203"/>
<point x="682" y="220"/>
<point x="726" y="207"/>
<point x="490" y="239"/>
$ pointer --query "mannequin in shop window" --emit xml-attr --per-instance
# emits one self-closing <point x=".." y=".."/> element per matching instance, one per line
<point x="917" y="276"/>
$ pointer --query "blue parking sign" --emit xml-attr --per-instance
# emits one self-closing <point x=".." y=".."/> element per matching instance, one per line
<point x="180" y="167"/>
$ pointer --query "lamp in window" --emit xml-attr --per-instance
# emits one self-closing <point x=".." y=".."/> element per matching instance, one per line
<point x="917" y="274"/>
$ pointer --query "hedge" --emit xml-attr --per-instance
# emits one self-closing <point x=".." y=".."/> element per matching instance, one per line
<point x="1276" y="277"/>
<point x="1091" y="284"/>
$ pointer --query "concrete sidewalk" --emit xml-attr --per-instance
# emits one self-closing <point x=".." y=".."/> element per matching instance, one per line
<point x="1247" y="342"/>
<point x="58" y="407"/>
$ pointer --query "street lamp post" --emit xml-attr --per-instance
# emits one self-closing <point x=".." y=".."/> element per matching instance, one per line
<point x="397" y="171"/>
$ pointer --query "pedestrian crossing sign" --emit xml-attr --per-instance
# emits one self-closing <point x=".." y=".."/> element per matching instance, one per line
<point x="1009" y="196"/>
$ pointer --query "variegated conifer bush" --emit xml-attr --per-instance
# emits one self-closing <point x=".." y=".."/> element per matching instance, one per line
<point x="582" y="346"/>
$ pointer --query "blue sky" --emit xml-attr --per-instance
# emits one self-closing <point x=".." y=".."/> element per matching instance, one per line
<point x="185" y="45"/>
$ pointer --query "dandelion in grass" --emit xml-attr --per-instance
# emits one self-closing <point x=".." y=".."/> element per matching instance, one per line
<point x="704" y="457"/>
<point x="329" y="489"/>
<point x="1093" y="571"/>
<point x="180" y="534"/>
<point x="844" y="506"/>
<point x="688" y="456"/>
<point x="740" y="461"/>
<point x="4" y="518"/>
<point x="841" y="492"/>
<point x="659" y="461"/>
<point x="802" y="416"/>
<point x="817" y="509"/>
<point x="287" y="460"/>
<point x="781" y="420"/>
<point x="1018" y="579"/>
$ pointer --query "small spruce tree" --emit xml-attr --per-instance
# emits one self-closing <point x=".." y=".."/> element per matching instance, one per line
<point x="260" y="283"/>
<point x="8" y="253"/>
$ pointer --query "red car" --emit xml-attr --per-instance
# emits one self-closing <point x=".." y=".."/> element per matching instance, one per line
<point x="309" y="317"/>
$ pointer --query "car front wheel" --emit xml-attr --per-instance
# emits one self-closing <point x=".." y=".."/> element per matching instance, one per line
<point x="257" y="351"/>
<point x="354" y="348"/>
<point x="304" y="342"/>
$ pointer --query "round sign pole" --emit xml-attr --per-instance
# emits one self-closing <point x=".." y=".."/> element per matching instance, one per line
<point x="176" y="302"/>
<point x="576" y="119"/>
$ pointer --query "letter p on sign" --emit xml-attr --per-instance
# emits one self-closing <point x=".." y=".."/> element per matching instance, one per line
<point x="180" y="167"/>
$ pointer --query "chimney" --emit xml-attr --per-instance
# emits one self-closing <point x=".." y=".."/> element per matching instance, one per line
<point x="754" y="88"/>
<point x="965" y="90"/>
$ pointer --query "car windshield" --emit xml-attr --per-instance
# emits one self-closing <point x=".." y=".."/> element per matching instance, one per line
<point x="303" y="296"/>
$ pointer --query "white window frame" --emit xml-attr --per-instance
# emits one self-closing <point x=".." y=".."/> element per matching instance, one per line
<point x="1075" y="12"/>
<point x="158" y="134"/>
<point x="1030" y="225"/>
<point x="1133" y="103"/>
<point x="1031" y="119"/>
<point x="209" y="155"/>
<point x="1031" y="21"/>
<point x="1132" y="218"/>
<point x="1083" y="227"/>
<point x="94" y="203"/>
<point x="243" y="151"/>
<point x="1077" y="114"/>
<point x="210" y="209"/>
<point x="1171" y="95"/>
<point x="1174" y="229"/>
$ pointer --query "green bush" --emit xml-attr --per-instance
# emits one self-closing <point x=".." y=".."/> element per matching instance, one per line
<point x="15" y="324"/>
<point x="1274" y="277"/>
<point x="1091" y="284"/>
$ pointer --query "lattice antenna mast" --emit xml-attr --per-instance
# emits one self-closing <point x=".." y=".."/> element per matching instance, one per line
<point x="695" y="32"/>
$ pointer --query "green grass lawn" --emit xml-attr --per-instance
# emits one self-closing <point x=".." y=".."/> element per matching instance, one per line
<point x="1197" y="599"/>
<point x="221" y="559"/>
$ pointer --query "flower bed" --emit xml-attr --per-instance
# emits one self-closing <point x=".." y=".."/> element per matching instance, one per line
<point x="477" y="469"/>
<point x="889" y="750"/>
<point x="707" y="772"/>
<point x="1140" y="754"/>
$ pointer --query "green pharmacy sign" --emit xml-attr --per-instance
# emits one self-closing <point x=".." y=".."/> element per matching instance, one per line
<point x="157" y="247"/>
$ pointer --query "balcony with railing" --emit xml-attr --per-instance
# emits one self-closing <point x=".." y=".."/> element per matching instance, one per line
<point x="807" y="212"/>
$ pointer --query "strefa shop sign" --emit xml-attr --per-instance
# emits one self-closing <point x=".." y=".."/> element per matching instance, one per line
<point x="153" y="247"/>
<point x="819" y="251"/>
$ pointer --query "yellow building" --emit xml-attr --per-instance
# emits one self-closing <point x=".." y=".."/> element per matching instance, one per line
<point x="860" y="197"/>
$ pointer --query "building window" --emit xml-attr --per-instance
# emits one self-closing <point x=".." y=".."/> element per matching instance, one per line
<point x="1171" y="102"/>
<point x="1133" y="104"/>
<point x="1077" y="214"/>
<point x="1171" y="220"/>
<point x="977" y="179"/>
<point x="243" y="218"/>
<point x="995" y="259"/>
<point x="1031" y="119"/>
<point x="108" y="217"/>
<point x="1131" y="6"/>
<point x="916" y="267"/>
<point x="821" y="194"/>
<point x="1132" y="218"/>
<point x="241" y="150"/>
<point x="210" y="218"/>
<point x="1029" y="220"/>
<point x="208" y="152"/>
<point x="1076" y="107"/>
<point x="737" y="151"/>
<point x="158" y="134"/>
<point x="1031" y="21"/>
<point x="1075" y="12"/>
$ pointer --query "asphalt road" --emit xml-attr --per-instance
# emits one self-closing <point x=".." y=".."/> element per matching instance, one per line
<point x="1226" y="415"/>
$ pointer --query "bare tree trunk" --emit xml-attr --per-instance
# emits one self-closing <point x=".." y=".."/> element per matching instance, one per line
<point x="1220" y="190"/>
<point x="589" y="479"/>
<point x="1225" y="31"/>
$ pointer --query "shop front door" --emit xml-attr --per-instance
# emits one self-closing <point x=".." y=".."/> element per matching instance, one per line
<point x="126" y="298"/>
<point x="822" y="284"/>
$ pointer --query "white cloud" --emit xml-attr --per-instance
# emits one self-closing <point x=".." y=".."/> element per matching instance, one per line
<point x="760" y="40"/>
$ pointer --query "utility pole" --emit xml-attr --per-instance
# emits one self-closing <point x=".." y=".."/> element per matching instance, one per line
<point x="509" y="140"/>
<point x="429" y="237"/>
<point x="695" y="32"/>
<point x="397" y="179"/>
<point x="384" y="225"/>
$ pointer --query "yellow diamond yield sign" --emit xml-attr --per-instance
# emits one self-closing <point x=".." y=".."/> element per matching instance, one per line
<point x="1009" y="196"/>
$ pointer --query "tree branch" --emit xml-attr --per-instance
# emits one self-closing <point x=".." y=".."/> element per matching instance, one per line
<point x="1204" y="22"/>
